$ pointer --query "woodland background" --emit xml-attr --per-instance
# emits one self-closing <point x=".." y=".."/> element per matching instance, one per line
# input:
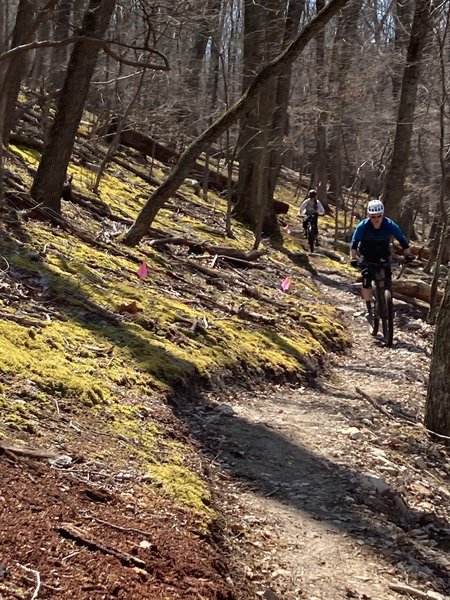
<point x="152" y="159"/>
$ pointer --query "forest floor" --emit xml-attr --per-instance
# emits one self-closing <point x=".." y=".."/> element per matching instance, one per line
<point x="325" y="493"/>
<point x="241" y="486"/>
<point x="341" y="492"/>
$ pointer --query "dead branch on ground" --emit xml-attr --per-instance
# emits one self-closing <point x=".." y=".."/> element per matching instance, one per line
<point x="37" y="578"/>
<point x="22" y="320"/>
<point x="85" y="538"/>
<point x="373" y="402"/>
<point x="6" y="448"/>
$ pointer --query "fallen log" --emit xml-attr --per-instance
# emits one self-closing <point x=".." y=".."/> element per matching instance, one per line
<point x="414" y="289"/>
<point x="209" y="248"/>
<point x="147" y="146"/>
<point x="5" y="447"/>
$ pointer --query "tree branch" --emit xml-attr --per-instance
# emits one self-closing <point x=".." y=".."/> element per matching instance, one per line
<point x="104" y="44"/>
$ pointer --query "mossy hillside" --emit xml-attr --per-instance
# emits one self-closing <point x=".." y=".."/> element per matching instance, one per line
<point x="95" y="358"/>
<point x="69" y="258"/>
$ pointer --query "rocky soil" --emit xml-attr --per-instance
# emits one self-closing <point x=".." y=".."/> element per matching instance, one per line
<point x="337" y="491"/>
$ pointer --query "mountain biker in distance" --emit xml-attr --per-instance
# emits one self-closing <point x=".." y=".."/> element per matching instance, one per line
<point x="371" y="242"/>
<point x="311" y="207"/>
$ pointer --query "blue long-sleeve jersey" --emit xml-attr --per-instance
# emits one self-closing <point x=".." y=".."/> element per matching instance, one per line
<point x="375" y="244"/>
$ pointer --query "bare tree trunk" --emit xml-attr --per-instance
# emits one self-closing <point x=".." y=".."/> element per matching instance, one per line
<point x="402" y="31"/>
<point x="59" y="55"/>
<point x="396" y="174"/>
<point x="320" y="162"/>
<point x="250" y="139"/>
<point x="234" y="113"/>
<point x="12" y="69"/>
<point x="116" y="139"/>
<point x="190" y="107"/>
<point x="280" y="117"/>
<point x="48" y="183"/>
<point x="341" y="66"/>
<point x="15" y="68"/>
<point x="437" y="407"/>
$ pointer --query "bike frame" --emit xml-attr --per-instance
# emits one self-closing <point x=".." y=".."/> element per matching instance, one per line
<point x="311" y="230"/>
<point x="382" y="294"/>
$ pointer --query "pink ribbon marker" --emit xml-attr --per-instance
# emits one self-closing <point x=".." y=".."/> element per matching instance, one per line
<point x="143" y="271"/>
<point x="286" y="284"/>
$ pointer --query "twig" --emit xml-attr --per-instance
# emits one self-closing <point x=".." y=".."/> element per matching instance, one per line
<point x="7" y="265"/>
<point x="55" y="401"/>
<point x="22" y="320"/>
<point x="72" y="424"/>
<point x="401" y="588"/>
<point x="439" y="435"/>
<point x="83" y="537"/>
<point x="113" y="526"/>
<point x="373" y="402"/>
<point x="38" y="580"/>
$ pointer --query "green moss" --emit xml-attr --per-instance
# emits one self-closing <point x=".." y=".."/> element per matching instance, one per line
<point x="16" y="415"/>
<point x="181" y="484"/>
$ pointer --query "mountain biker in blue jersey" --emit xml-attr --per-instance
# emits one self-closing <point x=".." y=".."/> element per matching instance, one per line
<point x="371" y="243"/>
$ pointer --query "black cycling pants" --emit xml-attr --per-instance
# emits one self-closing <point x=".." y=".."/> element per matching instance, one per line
<point x="369" y="273"/>
<point x="313" y="219"/>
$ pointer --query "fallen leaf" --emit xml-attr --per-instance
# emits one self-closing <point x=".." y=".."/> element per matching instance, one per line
<point x="131" y="308"/>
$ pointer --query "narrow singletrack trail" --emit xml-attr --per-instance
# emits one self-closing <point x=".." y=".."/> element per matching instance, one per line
<point x="341" y="494"/>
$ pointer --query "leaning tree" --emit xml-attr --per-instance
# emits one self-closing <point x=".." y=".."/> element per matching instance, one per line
<point x="437" y="410"/>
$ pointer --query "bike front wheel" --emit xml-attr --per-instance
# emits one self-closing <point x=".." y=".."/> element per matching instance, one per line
<point x="311" y="237"/>
<point x="388" y="318"/>
<point x="375" y="322"/>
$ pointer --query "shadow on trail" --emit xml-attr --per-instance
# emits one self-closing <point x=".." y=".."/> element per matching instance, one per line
<point x="413" y="348"/>
<point x="275" y="465"/>
<point x="379" y="373"/>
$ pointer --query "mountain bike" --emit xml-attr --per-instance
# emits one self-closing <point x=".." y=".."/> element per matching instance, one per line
<point x="383" y="306"/>
<point x="311" y="230"/>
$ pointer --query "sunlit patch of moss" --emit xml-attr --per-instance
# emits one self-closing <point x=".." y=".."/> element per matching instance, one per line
<point x="44" y="358"/>
<point x="323" y="327"/>
<point x="131" y="424"/>
<point x="124" y="197"/>
<point x="30" y="156"/>
<point x="16" y="414"/>
<point x="181" y="484"/>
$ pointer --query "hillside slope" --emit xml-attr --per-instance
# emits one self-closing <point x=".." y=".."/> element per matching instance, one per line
<point x="105" y="490"/>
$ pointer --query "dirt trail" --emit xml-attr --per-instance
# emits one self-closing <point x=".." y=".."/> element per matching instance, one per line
<point x="338" y="499"/>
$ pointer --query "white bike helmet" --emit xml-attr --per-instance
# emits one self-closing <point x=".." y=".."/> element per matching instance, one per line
<point x="375" y="207"/>
<point x="312" y="193"/>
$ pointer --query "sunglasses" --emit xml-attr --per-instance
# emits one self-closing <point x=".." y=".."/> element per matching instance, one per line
<point x="376" y="217"/>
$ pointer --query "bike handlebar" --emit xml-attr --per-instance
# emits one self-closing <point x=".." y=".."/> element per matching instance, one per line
<point x="385" y="263"/>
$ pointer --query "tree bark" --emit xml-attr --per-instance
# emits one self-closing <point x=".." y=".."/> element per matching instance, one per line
<point x="59" y="55"/>
<point x="51" y="173"/>
<point x="229" y="117"/>
<point x="320" y="163"/>
<point x="15" y="68"/>
<point x="437" y="408"/>
<point x="396" y="174"/>
<point x="262" y="39"/>
<point x="403" y="14"/>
